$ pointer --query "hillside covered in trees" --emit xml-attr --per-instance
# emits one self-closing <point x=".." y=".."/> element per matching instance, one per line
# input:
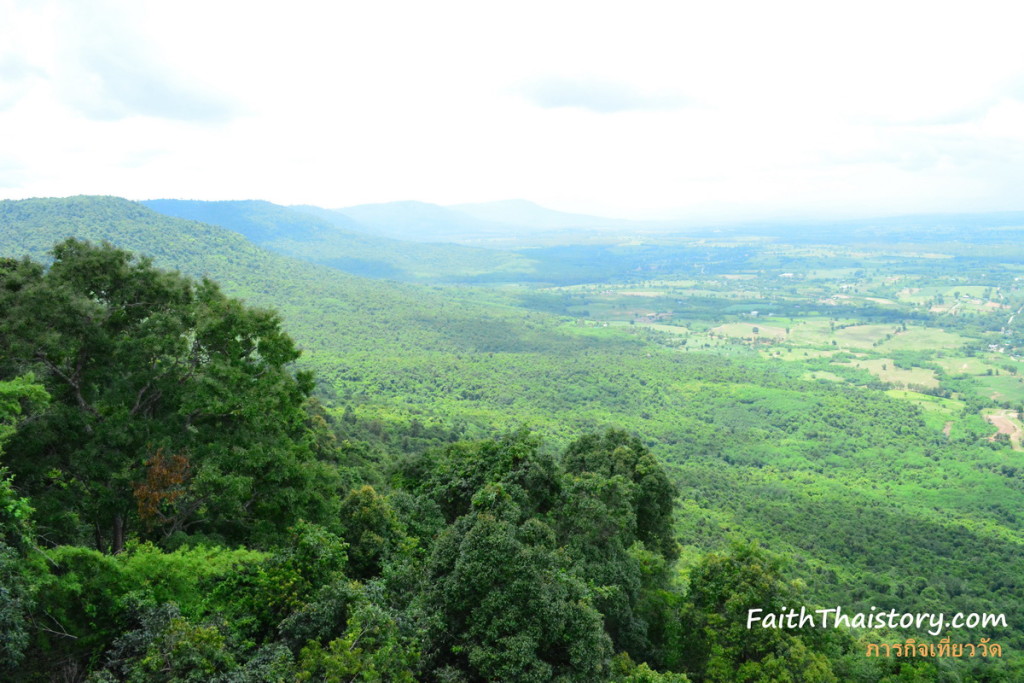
<point x="329" y="478"/>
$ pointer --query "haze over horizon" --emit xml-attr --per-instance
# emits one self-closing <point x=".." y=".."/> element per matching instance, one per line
<point x="736" y="111"/>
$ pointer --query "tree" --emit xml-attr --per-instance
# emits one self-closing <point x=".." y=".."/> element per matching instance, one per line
<point x="372" y="530"/>
<point x="720" y="648"/>
<point x="16" y="533"/>
<point x="143" y="363"/>
<point x="615" y="518"/>
<point x="504" y="604"/>
<point x="651" y="493"/>
<point x="547" y="566"/>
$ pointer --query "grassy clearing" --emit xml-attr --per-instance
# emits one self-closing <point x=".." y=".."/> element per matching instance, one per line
<point x="922" y="339"/>
<point x="962" y="365"/>
<point x="1003" y="388"/>
<point x="944" y="407"/>
<point x="833" y="274"/>
<point x="745" y="330"/>
<point x="697" y="342"/>
<point x="822" y="374"/>
<point x="675" y="283"/>
<point x="940" y="414"/>
<point x="796" y="354"/>
<point x="662" y="327"/>
<point x="1002" y="362"/>
<point x="863" y="336"/>
<point x="913" y="295"/>
<point x="812" y="332"/>
<point x="966" y="290"/>
<point x="885" y="370"/>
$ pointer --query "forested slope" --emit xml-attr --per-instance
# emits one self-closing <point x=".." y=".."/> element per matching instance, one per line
<point x="870" y="504"/>
<point x="330" y="238"/>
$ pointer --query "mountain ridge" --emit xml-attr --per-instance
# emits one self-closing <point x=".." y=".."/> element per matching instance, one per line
<point x="332" y="239"/>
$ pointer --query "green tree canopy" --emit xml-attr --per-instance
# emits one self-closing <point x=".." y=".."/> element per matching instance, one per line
<point x="173" y="405"/>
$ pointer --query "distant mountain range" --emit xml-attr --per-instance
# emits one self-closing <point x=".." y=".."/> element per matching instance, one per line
<point x="520" y="212"/>
<point x="422" y="222"/>
<point x="323" y="235"/>
<point x="335" y="239"/>
<point x="427" y="243"/>
<point x="502" y="221"/>
<point x="264" y="222"/>
<point x="417" y="241"/>
<point x="330" y="312"/>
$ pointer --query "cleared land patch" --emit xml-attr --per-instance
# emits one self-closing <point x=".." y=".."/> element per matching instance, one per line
<point x="1007" y="422"/>
<point x="822" y="374"/>
<point x="796" y="354"/>
<point x="745" y="330"/>
<point x="1003" y="387"/>
<point x="922" y="339"/>
<point x="962" y="365"/>
<point x="863" y="336"/>
<point x="885" y="370"/>
<point x="813" y="332"/>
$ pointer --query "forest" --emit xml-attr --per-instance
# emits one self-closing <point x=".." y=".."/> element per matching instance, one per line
<point x="222" y="462"/>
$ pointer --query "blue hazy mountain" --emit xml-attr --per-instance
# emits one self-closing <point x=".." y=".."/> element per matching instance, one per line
<point x="333" y="239"/>
<point x="424" y="222"/>
<point x="526" y="214"/>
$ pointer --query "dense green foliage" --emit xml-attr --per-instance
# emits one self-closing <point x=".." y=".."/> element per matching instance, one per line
<point x="140" y="364"/>
<point x="393" y="522"/>
<point x="176" y="398"/>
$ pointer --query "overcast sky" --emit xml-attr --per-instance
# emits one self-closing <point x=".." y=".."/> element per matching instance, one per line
<point x="700" y="109"/>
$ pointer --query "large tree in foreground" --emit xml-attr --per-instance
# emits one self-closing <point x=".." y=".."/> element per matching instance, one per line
<point x="173" y="405"/>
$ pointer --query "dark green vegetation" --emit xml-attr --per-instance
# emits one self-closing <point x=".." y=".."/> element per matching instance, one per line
<point x="392" y="519"/>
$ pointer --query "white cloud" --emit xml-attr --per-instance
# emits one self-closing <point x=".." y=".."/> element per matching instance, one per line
<point x="598" y="95"/>
<point x="738" y="108"/>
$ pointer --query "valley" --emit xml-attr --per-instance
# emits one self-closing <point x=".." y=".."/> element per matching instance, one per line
<point x="852" y="405"/>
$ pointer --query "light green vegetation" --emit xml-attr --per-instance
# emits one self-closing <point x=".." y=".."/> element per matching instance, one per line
<point x="962" y="365"/>
<point x="886" y="370"/>
<point x="940" y="414"/>
<point x="863" y="336"/>
<point x="812" y="332"/>
<point x="831" y="274"/>
<point x="922" y="339"/>
<point x="671" y="329"/>
<point x="795" y="354"/>
<point x="1004" y="388"/>
<point x="750" y="331"/>
<point x="822" y="374"/>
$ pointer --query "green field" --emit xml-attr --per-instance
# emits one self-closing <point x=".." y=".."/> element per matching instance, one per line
<point x="822" y="375"/>
<point x="1003" y="388"/>
<point x="886" y="370"/>
<point x="863" y="336"/>
<point x="750" y="331"/>
<point x="922" y="339"/>
<point x="963" y="365"/>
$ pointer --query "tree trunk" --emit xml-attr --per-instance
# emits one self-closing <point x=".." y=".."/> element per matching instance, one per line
<point x="99" y="537"/>
<point x="117" y="543"/>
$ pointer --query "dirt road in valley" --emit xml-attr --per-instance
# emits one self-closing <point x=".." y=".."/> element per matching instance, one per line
<point x="1005" y="422"/>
